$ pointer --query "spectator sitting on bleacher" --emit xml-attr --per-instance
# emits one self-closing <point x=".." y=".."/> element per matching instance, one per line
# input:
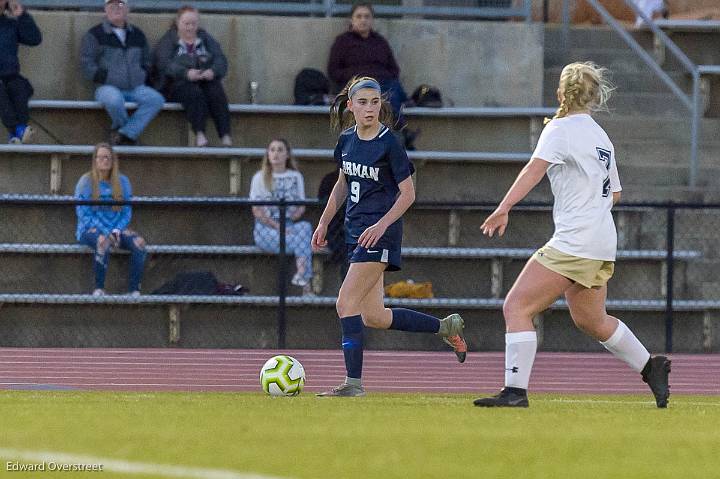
<point x="116" y="56"/>
<point x="362" y="51"/>
<point x="16" y="26"/>
<point x="104" y="227"/>
<point x="190" y="65"/>
<point x="280" y="178"/>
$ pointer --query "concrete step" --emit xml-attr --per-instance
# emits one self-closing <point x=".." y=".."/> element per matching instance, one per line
<point x="441" y="180"/>
<point x="624" y="129"/>
<point x="639" y="81"/>
<point x="309" y="130"/>
<point x="308" y="327"/>
<point x="649" y="103"/>
<point x="616" y="59"/>
<point x="581" y="36"/>
<point x="451" y="277"/>
<point x="657" y="152"/>
<point x="641" y="229"/>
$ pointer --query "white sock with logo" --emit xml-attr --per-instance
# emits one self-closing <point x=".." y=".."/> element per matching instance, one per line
<point x="626" y="346"/>
<point x="520" y="351"/>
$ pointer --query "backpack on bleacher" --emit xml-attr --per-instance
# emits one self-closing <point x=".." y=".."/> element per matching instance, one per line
<point x="199" y="283"/>
<point x="312" y="87"/>
<point x="427" y="96"/>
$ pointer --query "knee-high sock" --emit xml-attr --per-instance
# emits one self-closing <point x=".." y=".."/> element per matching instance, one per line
<point x="414" y="321"/>
<point x="352" y="345"/>
<point x="520" y="351"/>
<point x="626" y="346"/>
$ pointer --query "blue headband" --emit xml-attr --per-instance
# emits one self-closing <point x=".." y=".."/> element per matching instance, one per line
<point x="372" y="84"/>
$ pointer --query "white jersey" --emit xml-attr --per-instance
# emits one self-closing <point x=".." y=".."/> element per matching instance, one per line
<point x="583" y="176"/>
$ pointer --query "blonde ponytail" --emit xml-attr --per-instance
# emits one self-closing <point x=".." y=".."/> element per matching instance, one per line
<point x="584" y="86"/>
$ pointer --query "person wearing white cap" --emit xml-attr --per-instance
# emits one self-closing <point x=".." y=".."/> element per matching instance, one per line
<point x="115" y="55"/>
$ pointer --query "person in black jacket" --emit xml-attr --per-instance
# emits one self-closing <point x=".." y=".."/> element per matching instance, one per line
<point x="361" y="51"/>
<point x="115" y="55"/>
<point x="190" y="65"/>
<point x="16" y="27"/>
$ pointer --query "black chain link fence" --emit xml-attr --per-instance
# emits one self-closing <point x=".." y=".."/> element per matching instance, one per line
<point x="213" y="247"/>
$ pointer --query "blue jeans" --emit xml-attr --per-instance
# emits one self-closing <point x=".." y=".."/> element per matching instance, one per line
<point x="149" y="101"/>
<point x="100" y="264"/>
<point x="297" y="243"/>
<point x="396" y="97"/>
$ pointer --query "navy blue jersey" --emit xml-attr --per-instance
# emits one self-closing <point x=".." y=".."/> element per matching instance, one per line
<point x="373" y="169"/>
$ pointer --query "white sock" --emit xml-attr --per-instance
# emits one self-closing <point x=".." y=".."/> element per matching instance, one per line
<point x="520" y="351"/>
<point x="627" y="347"/>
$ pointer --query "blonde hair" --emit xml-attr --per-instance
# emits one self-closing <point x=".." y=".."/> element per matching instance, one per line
<point x="341" y="118"/>
<point x="290" y="163"/>
<point x="96" y="177"/>
<point x="584" y="86"/>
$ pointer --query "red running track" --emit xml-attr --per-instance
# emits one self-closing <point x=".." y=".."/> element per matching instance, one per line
<point x="225" y="370"/>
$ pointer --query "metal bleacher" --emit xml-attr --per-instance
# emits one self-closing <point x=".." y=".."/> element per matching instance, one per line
<point x="57" y="154"/>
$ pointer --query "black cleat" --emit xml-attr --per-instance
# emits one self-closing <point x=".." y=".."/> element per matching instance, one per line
<point x="655" y="374"/>
<point x="508" y="397"/>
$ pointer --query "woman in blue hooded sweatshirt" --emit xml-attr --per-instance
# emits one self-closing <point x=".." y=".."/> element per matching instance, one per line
<point x="105" y="227"/>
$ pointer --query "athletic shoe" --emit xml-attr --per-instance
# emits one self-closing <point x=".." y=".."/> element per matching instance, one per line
<point x="508" y="397"/>
<point x="451" y="331"/>
<point x="99" y="292"/>
<point x="344" y="390"/>
<point x="655" y="374"/>
<point x="118" y="139"/>
<point x="298" y="280"/>
<point x="14" y="140"/>
<point x="24" y="133"/>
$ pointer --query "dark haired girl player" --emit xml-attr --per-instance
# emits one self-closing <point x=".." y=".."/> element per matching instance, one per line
<point x="375" y="179"/>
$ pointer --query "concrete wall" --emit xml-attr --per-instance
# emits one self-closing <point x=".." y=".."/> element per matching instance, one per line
<point x="474" y="64"/>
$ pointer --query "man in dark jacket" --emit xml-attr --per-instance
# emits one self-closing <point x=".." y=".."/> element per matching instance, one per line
<point x="116" y="56"/>
<point x="362" y="51"/>
<point x="16" y="27"/>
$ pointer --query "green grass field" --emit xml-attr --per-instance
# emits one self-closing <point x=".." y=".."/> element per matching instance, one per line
<point x="379" y="436"/>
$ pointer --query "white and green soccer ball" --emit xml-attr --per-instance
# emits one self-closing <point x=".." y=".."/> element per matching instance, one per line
<point x="282" y="376"/>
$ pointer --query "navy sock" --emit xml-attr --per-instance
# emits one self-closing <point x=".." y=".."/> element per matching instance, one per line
<point x="352" y="344"/>
<point x="414" y="321"/>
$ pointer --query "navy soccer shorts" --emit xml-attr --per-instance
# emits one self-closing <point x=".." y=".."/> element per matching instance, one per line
<point x="391" y="257"/>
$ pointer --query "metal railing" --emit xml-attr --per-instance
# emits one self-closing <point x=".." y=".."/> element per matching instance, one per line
<point x="676" y="250"/>
<point x="691" y="101"/>
<point x="490" y="9"/>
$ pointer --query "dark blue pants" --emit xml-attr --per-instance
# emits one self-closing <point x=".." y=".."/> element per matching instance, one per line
<point x="100" y="264"/>
<point x="396" y="97"/>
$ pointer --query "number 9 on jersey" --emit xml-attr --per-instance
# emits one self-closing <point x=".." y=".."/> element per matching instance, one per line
<point x="355" y="191"/>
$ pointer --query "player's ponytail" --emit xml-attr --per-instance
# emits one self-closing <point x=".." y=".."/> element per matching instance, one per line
<point x="584" y="86"/>
<point x="341" y="118"/>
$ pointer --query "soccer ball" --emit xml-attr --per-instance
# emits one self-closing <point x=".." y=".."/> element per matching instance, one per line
<point x="282" y="376"/>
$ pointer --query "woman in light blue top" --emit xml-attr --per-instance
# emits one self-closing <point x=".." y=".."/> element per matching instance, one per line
<point x="105" y="227"/>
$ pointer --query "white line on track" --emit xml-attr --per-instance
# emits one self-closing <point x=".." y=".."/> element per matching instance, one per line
<point x="127" y="467"/>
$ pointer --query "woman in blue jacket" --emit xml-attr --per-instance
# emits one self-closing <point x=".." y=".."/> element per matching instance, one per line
<point x="105" y="227"/>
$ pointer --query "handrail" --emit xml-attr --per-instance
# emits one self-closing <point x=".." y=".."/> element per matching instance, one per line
<point x="327" y="8"/>
<point x="691" y="102"/>
<point x="640" y="51"/>
<point x="674" y="49"/>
